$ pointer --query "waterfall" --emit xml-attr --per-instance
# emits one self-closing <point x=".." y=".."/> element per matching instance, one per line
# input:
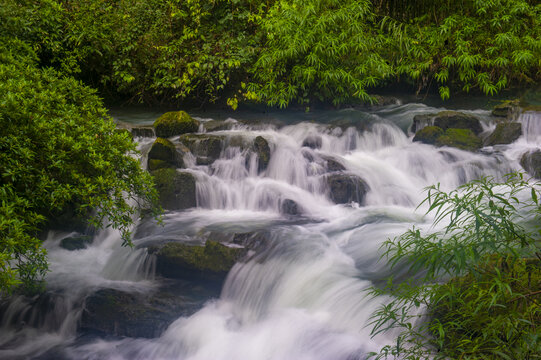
<point x="304" y="295"/>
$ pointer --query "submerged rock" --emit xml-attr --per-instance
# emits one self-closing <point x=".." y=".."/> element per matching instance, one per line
<point x="164" y="154"/>
<point x="428" y="135"/>
<point x="289" y="207"/>
<point x="531" y="162"/>
<point x="346" y="188"/>
<point x="457" y="120"/>
<point x="119" y="313"/>
<point x="175" y="189"/>
<point x="211" y="261"/>
<point x="262" y="149"/>
<point x="505" y="133"/>
<point x="332" y="165"/>
<point x="313" y="142"/>
<point x="76" y="242"/>
<point x="463" y="139"/>
<point x="175" y="123"/>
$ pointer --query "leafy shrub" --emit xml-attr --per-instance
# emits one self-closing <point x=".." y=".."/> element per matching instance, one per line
<point x="477" y="283"/>
<point x="319" y="50"/>
<point x="58" y="150"/>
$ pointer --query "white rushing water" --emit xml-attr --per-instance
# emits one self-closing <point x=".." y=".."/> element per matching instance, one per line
<point x="303" y="296"/>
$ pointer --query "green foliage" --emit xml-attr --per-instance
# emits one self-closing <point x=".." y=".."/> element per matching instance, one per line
<point x="318" y="50"/>
<point x="58" y="150"/>
<point x="488" y="45"/>
<point x="478" y="281"/>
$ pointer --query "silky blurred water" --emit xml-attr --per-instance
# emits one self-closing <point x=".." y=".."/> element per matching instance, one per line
<point x="303" y="297"/>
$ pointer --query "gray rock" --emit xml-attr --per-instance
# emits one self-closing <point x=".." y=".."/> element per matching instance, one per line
<point x="313" y="141"/>
<point x="76" y="242"/>
<point x="211" y="261"/>
<point x="457" y="120"/>
<point x="289" y="207"/>
<point x="346" y="188"/>
<point x="204" y="145"/>
<point x="262" y="149"/>
<point x="531" y="162"/>
<point x="120" y="313"/>
<point x="505" y="133"/>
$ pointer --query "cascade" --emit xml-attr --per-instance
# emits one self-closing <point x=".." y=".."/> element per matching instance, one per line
<point x="302" y="294"/>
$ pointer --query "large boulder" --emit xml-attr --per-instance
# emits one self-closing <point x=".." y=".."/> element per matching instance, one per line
<point x="458" y="120"/>
<point x="346" y="188"/>
<point x="175" y="123"/>
<point x="175" y="189"/>
<point x="164" y="154"/>
<point x="262" y="149"/>
<point x="204" y="145"/>
<point x="76" y="242"/>
<point x="508" y="109"/>
<point x="505" y="133"/>
<point x="531" y="162"/>
<point x="181" y="260"/>
<point x="119" y="313"/>
<point x="428" y="134"/>
<point x="463" y="139"/>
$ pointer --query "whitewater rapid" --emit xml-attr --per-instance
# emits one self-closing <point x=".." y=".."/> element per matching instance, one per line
<point x="304" y="296"/>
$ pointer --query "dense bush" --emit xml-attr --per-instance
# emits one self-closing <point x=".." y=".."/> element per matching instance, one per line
<point x="475" y="291"/>
<point x="58" y="150"/>
<point x="324" y="50"/>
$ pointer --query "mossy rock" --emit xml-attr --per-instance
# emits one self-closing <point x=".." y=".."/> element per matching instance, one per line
<point x="508" y="109"/>
<point x="531" y="162"/>
<point x="463" y="139"/>
<point x="505" y="133"/>
<point x="457" y="120"/>
<point x="119" y="313"/>
<point x="180" y="260"/>
<point x="175" y="123"/>
<point x="204" y="145"/>
<point x="262" y="149"/>
<point x="176" y="189"/>
<point x="155" y="164"/>
<point x="428" y="134"/>
<point x="165" y="151"/>
<point x="76" y="242"/>
<point x="346" y="188"/>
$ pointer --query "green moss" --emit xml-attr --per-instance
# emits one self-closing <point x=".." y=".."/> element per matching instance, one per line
<point x="165" y="151"/>
<point x="175" y="123"/>
<point x="213" y="257"/>
<point x="463" y="139"/>
<point x="176" y="190"/>
<point x="428" y="134"/>
<point x="155" y="164"/>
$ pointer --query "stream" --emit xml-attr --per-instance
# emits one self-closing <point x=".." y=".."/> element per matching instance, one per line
<point x="302" y="294"/>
